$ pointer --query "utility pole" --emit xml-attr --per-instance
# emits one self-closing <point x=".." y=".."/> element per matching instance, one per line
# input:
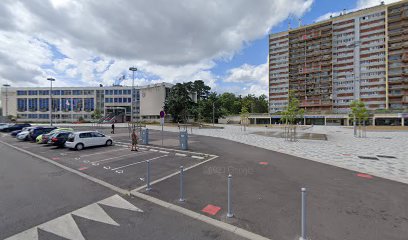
<point x="6" y="86"/>
<point x="133" y="69"/>
<point x="50" y="105"/>
<point x="213" y="113"/>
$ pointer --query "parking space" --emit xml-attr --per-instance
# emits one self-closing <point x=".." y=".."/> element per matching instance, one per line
<point x="116" y="164"/>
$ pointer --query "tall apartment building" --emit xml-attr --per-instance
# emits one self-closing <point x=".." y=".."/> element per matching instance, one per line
<point x="68" y="104"/>
<point x="359" y="55"/>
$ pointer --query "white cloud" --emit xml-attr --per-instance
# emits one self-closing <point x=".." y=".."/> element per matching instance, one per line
<point x="168" y="41"/>
<point x="253" y="79"/>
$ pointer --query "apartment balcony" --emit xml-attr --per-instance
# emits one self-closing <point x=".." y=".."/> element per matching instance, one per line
<point x="382" y="23"/>
<point x="315" y="103"/>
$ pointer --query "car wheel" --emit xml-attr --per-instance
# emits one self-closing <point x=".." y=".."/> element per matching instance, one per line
<point x="79" y="146"/>
<point x="109" y="143"/>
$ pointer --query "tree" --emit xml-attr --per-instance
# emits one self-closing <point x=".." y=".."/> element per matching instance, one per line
<point x="179" y="103"/>
<point x="96" y="114"/>
<point x="359" y="113"/>
<point x="244" y="117"/>
<point x="292" y="112"/>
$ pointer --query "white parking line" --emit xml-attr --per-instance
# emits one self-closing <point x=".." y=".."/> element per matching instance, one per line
<point x="92" y="154"/>
<point x="107" y="159"/>
<point x="113" y="169"/>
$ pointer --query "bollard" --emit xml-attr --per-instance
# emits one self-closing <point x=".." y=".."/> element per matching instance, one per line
<point x="303" y="220"/>
<point x="181" y="199"/>
<point x="229" y="214"/>
<point x="148" y="188"/>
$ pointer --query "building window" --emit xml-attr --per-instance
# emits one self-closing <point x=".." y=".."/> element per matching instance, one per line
<point x="32" y="92"/>
<point x="76" y="92"/>
<point x="89" y="104"/>
<point x="21" y="104"/>
<point x="66" y="104"/>
<point x="56" y="104"/>
<point x="56" y="92"/>
<point x="21" y="93"/>
<point x="77" y="104"/>
<point x="43" y="92"/>
<point x="44" y="103"/>
<point x="32" y="104"/>
<point x="66" y="92"/>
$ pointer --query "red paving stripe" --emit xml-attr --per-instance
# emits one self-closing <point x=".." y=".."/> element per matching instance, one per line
<point x="55" y="158"/>
<point x="82" y="168"/>
<point x="211" y="209"/>
<point x="363" y="175"/>
<point x="263" y="163"/>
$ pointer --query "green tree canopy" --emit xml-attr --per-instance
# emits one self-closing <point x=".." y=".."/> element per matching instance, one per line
<point x="292" y="111"/>
<point x="359" y="111"/>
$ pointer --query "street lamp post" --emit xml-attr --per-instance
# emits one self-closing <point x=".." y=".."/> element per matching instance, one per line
<point x="133" y="69"/>
<point x="213" y="113"/>
<point x="50" y="105"/>
<point x="6" y="86"/>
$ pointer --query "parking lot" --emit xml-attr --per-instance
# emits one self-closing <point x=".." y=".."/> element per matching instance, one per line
<point x="116" y="164"/>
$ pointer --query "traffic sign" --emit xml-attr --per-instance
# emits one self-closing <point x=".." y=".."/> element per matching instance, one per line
<point x="162" y="114"/>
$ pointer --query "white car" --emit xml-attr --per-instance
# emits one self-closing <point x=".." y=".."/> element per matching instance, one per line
<point x="5" y="125"/>
<point x="81" y="140"/>
<point x="23" y="135"/>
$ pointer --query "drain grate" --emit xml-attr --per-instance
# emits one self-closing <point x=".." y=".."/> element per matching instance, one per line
<point x="385" y="156"/>
<point x="370" y="158"/>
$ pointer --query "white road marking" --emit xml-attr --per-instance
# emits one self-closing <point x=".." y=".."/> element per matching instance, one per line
<point x="181" y="154"/>
<point x="197" y="157"/>
<point x="138" y="162"/>
<point x="96" y="213"/>
<point x="107" y="159"/>
<point x="64" y="226"/>
<point x="153" y="150"/>
<point x="164" y="152"/>
<point x="92" y="154"/>
<point x="118" y="202"/>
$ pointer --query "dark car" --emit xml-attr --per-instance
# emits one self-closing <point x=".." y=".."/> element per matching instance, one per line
<point x="59" y="139"/>
<point x="15" y="127"/>
<point x="38" y="131"/>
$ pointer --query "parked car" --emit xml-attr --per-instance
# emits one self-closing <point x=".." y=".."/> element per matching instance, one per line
<point x="24" y="135"/>
<point x="4" y="125"/>
<point x="17" y="126"/>
<point x="59" y="138"/>
<point x="14" y="133"/>
<point x="38" y="131"/>
<point x="43" y="138"/>
<point x="81" y="140"/>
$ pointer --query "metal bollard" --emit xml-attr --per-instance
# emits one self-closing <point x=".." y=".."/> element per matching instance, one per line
<point x="148" y="188"/>
<point x="181" y="199"/>
<point x="229" y="214"/>
<point x="303" y="227"/>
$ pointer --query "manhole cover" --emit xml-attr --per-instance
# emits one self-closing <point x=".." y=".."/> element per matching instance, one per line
<point x="370" y="158"/>
<point x="385" y="156"/>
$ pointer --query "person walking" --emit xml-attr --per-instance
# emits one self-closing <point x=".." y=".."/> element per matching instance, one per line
<point x="113" y="128"/>
<point x="134" y="141"/>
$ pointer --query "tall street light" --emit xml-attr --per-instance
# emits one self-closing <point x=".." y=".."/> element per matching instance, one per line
<point x="50" y="105"/>
<point x="133" y="69"/>
<point x="6" y="86"/>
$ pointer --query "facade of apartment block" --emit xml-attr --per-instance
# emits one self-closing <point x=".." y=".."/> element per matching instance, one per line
<point x="68" y="104"/>
<point x="359" y="55"/>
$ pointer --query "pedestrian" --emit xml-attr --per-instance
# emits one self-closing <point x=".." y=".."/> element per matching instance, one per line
<point x="113" y="128"/>
<point x="134" y="141"/>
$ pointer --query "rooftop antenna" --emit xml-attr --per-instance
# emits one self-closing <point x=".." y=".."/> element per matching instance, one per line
<point x="300" y="22"/>
<point x="289" y="25"/>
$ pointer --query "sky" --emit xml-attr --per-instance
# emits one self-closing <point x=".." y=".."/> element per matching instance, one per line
<point x="92" y="42"/>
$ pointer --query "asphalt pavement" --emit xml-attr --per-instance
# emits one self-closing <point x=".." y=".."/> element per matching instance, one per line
<point x="342" y="204"/>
